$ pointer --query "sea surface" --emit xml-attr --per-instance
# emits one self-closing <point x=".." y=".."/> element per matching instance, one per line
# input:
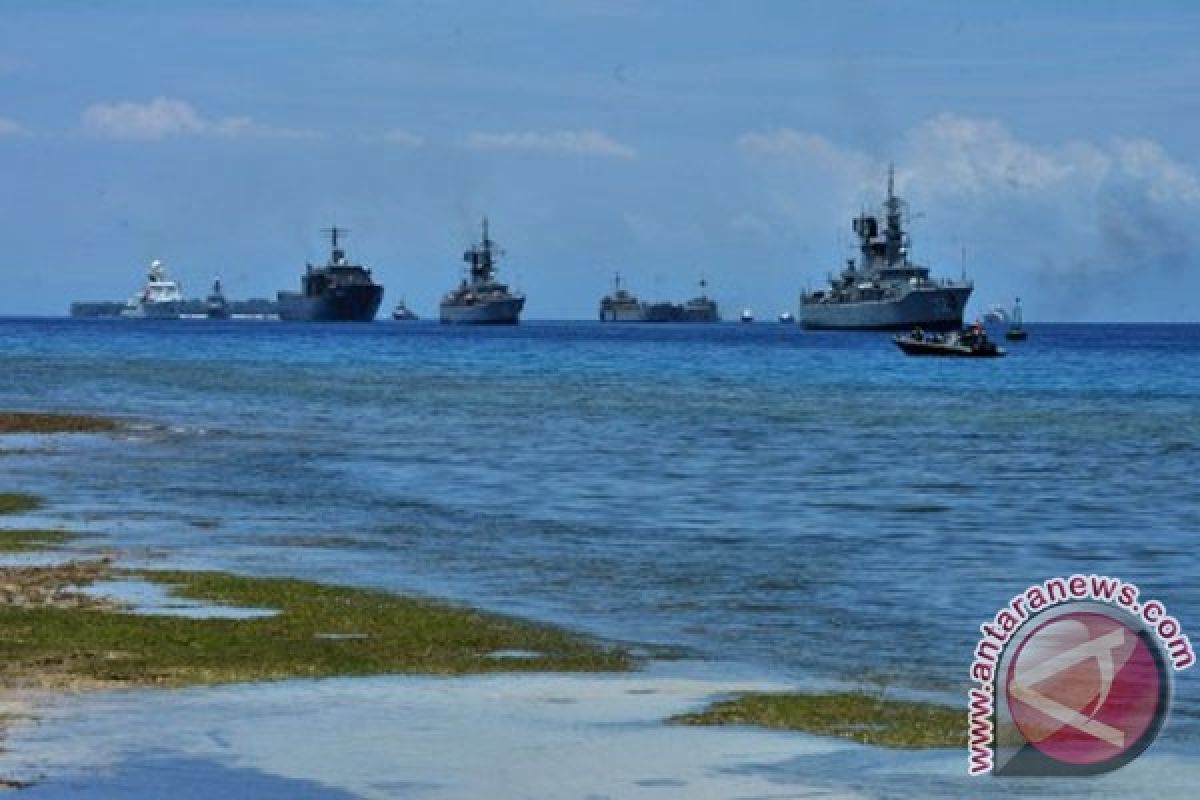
<point x="808" y="507"/>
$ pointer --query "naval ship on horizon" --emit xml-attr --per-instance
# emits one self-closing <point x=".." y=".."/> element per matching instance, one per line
<point x="885" y="291"/>
<point x="700" y="308"/>
<point x="622" y="305"/>
<point x="337" y="292"/>
<point x="480" y="299"/>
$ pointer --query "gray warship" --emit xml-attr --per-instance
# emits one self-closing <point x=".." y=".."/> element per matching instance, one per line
<point x="621" y="306"/>
<point x="337" y="292"/>
<point x="480" y="299"/>
<point x="700" y="308"/>
<point x="886" y="291"/>
<point x="215" y="305"/>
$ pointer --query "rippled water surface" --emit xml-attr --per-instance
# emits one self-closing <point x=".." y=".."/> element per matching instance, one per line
<point x="813" y="506"/>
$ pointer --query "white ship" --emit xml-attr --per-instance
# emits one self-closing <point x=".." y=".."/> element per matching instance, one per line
<point x="160" y="298"/>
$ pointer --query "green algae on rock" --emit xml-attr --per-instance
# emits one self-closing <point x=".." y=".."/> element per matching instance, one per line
<point x="18" y="502"/>
<point x="320" y="631"/>
<point x="38" y="422"/>
<point x="31" y="541"/>
<point x="864" y="718"/>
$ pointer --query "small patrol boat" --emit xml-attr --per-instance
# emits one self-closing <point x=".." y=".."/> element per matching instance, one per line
<point x="402" y="313"/>
<point x="970" y="342"/>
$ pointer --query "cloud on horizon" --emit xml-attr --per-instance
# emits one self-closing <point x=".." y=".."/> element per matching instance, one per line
<point x="951" y="156"/>
<point x="574" y="143"/>
<point x="165" y="117"/>
<point x="400" y="138"/>
<point x="9" y="127"/>
<point x="1073" y="221"/>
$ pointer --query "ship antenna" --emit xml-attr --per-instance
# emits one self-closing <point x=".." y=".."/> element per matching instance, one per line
<point x="891" y="181"/>
<point x="335" y="233"/>
<point x="964" y="262"/>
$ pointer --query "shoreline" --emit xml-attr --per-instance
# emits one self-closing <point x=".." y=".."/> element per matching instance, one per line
<point x="74" y="642"/>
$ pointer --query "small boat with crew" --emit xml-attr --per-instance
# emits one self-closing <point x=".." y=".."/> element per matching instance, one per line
<point x="786" y="318"/>
<point x="747" y="315"/>
<point x="970" y="342"/>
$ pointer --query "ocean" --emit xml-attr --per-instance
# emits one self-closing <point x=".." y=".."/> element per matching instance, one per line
<point x="809" y="507"/>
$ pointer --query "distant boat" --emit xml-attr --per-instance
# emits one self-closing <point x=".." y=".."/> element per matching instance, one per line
<point x="402" y="313"/>
<point x="622" y="305"/>
<point x="1016" y="331"/>
<point x="995" y="313"/>
<point x="747" y="315"/>
<point x="160" y="298"/>
<point x="786" y="317"/>
<point x="215" y="305"/>
<point x="701" y="308"/>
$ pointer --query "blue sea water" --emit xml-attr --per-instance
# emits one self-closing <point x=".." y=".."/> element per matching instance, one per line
<point x="812" y="506"/>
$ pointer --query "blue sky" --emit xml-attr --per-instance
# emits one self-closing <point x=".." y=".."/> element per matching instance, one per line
<point x="1055" y="142"/>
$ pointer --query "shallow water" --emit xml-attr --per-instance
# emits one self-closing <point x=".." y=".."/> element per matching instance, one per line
<point x="813" y="506"/>
<point x="543" y="736"/>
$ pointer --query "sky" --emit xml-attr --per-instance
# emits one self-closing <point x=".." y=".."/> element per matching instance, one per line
<point x="1049" y="148"/>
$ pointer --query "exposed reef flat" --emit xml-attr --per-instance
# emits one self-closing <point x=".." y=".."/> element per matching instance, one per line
<point x="37" y="422"/>
<point x="860" y="717"/>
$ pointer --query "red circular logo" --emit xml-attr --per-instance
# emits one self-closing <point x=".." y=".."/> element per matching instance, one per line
<point x="1085" y="688"/>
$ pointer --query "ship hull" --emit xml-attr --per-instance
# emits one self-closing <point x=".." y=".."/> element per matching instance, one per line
<point x="494" y="312"/>
<point x="670" y="312"/>
<point x="933" y="310"/>
<point x="338" y="304"/>
<point x="168" y="310"/>
<point x="700" y="315"/>
<point x="634" y="314"/>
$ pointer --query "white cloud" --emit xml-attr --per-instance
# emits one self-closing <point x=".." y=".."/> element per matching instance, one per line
<point x="401" y="138"/>
<point x="1168" y="180"/>
<point x="746" y="222"/>
<point x="1072" y="219"/>
<point x="10" y="127"/>
<point x="577" y="143"/>
<point x="165" y="117"/>
<point x="955" y="156"/>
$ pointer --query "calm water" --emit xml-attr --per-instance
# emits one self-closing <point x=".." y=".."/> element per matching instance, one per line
<point x="811" y="506"/>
